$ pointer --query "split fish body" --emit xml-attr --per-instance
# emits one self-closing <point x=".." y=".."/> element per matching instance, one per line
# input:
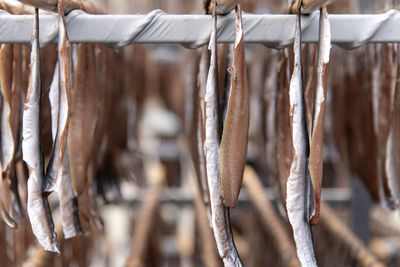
<point x="315" y="166"/>
<point x="82" y="126"/>
<point x="233" y="149"/>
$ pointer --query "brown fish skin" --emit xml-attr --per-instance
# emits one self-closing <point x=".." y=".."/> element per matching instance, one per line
<point x="315" y="165"/>
<point x="233" y="148"/>
<point x="310" y="89"/>
<point x="81" y="133"/>
<point x="283" y="140"/>
<point x="7" y="141"/>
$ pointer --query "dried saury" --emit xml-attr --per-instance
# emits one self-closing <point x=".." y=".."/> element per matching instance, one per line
<point x="37" y="204"/>
<point x="297" y="181"/>
<point x="219" y="216"/>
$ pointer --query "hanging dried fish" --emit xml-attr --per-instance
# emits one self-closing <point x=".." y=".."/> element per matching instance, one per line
<point x="297" y="181"/>
<point x="283" y="141"/>
<point x="219" y="216"/>
<point x="233" y="149"/>
<point x="395" y="131"/>
<point x="58" y="174"/>
<point x="310" y="87"/>
<point x="60" y="103"/>
<point x="68" y="203"/>
<point x="37" y="206"/>
<point x="7" y="140"/>
<point x="386" y="96"/>
<point x="199" y="127"/>
<point x="317" y="129"/>
<point x="81" y="131"/>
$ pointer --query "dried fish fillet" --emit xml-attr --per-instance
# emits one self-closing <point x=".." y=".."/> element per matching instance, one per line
<point x="296" y="182"/>
<point x="6" y="74"/>
<point x="219" y="220"/>
<point x="68" y="203"/>
<point x="54" y="170"/>
<point x="233" y="149"/>
<point x="82" y="125"/>
<point x="388" y="93"/>
<point x="283" y="135"/>
<point x="317" y="130"/>
<point x="7" y="140"/>
<point x="38" y="211"/>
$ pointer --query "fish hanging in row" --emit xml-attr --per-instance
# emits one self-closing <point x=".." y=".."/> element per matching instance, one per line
<point x="219" y="213"/>
<point x="37" y="203"/>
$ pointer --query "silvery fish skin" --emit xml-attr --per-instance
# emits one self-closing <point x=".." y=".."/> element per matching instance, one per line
<point x="233" y="149"/>
<point x="61" y="103"/>
<point x="68" y="203"/>
<point x="60" y="169"/>
<point x="317" y="130"/>
<point x="199" y="127"/>
<point x="219" y="220"/>
<point x="82" y="125"/>
<point x="296" y="182"/>
<point x="41" y="221"/>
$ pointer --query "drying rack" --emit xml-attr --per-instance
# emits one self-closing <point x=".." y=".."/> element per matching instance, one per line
<point x="349" y="31"/>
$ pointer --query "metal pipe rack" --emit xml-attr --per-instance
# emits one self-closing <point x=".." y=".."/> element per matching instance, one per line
<point x="277" y="31"/>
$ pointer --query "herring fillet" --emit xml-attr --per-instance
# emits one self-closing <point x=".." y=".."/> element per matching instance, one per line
<point x="233" y="149"/>
<point x="81" y="131"/>
<point x="219" y="221"/>
<point x="315" y="165"/>
<point x="296" y="182"/>
<point x="61" y="116"/>
<point x="41" y="221"/>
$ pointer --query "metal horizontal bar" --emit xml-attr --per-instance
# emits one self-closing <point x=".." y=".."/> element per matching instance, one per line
<point x="177" y="196"/>
<point x="348" y="31"/>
